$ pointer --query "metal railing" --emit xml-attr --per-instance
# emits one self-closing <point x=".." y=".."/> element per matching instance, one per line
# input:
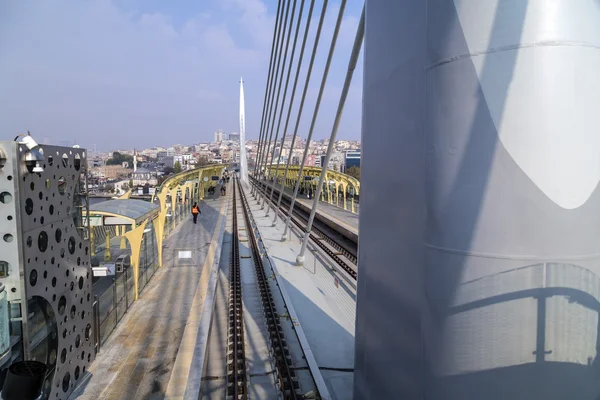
<point x="111" y="306"/>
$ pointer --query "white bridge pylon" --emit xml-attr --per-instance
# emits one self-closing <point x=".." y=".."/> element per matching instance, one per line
<point x="243" y="162"/>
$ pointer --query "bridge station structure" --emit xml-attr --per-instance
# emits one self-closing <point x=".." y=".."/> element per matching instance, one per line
<point x="148" y="234"/>
<point x="480" y="281"/>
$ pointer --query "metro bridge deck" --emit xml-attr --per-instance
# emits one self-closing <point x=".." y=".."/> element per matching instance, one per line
<point x="152" y="340"/>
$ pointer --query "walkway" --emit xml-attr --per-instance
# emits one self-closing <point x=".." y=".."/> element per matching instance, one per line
<point x="137" y="360"/>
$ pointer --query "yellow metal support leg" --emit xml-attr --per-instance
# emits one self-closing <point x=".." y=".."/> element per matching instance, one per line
<point x="107" y="248"/>
<point x="135" y="241"/>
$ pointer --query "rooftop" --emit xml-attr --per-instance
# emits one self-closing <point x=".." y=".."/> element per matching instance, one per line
<point x="137" y="210"/>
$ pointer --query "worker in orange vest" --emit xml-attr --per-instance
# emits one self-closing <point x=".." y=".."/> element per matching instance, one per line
<point x="195" y="211"/>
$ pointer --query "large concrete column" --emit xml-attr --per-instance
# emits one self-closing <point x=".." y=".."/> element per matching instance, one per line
<point x="479" y="255"/>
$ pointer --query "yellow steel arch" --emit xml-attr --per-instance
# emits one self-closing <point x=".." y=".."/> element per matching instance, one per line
<point x="191" y="182"/>
<point x="341" y="181"/>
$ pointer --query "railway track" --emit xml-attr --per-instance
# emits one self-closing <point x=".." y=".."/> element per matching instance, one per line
<point x="342" y="253"/>
<point x="238" y="381"/>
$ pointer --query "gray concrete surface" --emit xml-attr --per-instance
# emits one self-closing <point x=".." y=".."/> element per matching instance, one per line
<point x="137" y="360"/>
<point x="326" y="311"/>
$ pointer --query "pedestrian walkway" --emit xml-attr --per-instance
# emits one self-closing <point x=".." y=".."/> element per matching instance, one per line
<point x="138" y="359"/>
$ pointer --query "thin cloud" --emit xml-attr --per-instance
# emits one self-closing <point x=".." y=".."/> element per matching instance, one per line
<point x="80" y="70"/>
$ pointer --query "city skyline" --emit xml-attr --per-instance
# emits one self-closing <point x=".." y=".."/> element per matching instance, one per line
<point x="133" y="72"/>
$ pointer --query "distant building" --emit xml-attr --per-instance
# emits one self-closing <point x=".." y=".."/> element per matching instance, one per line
<point x="142" y="176"/>
<point x="352" y="159"/>
<point x="96" y="162"/>
<point x="219" y="136"/>
<point x="234" y="136"/>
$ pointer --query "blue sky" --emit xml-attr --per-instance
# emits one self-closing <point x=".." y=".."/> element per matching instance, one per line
<point x="125" y="73"/>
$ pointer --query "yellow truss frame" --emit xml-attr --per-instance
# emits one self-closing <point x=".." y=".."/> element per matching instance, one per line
<point x="342" y="181"/>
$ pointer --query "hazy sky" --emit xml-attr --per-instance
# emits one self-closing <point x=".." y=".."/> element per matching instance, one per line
<point x="125" y="73"/>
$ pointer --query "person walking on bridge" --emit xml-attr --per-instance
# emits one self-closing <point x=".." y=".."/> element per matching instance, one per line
<point x="195" y="211"/>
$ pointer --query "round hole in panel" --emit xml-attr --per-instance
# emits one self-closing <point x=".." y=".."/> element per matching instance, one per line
<point x="67" y="273"/>
<point x="48" y="183"/>
<point x="58" y="235"/>
<point x="82" y="314"/>
<point x="89" y="357"/>
<point x="33" y="277"/>
<point x="9" y="177"/>
<point x="64" y="334"/>
<point x="71" y="245"/>
<point x="78" y="260"/>
<point x="5" y="197"/>
<point x="41" y="195"/>
<point x="8" y="237"/>
<point x="80" y="282"/>
<point x="28" y="206"/>
<point x="88" y="331"/>
<point x="51" y="209"/>
<point x="42" y="220"/>
<point x="62" y="304"/>
<point x="62" y="253"/>
<point x="63" y="356"/>
<point x="62" y="185"/>
<point x="73" y="311"/>
<point x="32" y="186"/>
<point x="52" y="260"/>
<point x="54" y="282"/>
<point x="76" y="372"/>
<point x="65" y="160"/>
<point x="72" y="285"/>
<point x="29" y="241"/>
<point x="43" y="241"/>
<point x="77" y="340"/>
<point x="77" y="162"/>
<point x="9" y="217"/>
<point x="66" y="382"/>
<point x="45" y="274"/>
<point x="50" y="160"/>
<point x="88" y="297"/>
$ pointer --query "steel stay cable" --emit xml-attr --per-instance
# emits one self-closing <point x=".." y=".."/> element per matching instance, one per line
<point x="265" y="144"/>
<point x="269" y="77"/>
<point x="287" y="82"/>
<point x="283" y="67"/>
<point x="360" y="32"/>
<point x="316" y="111"/>
<point x="308" y="75"/>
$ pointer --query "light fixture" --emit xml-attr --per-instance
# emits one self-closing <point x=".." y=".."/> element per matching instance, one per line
<point x="3" y="159"/>
<point x="33" y="156"/>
